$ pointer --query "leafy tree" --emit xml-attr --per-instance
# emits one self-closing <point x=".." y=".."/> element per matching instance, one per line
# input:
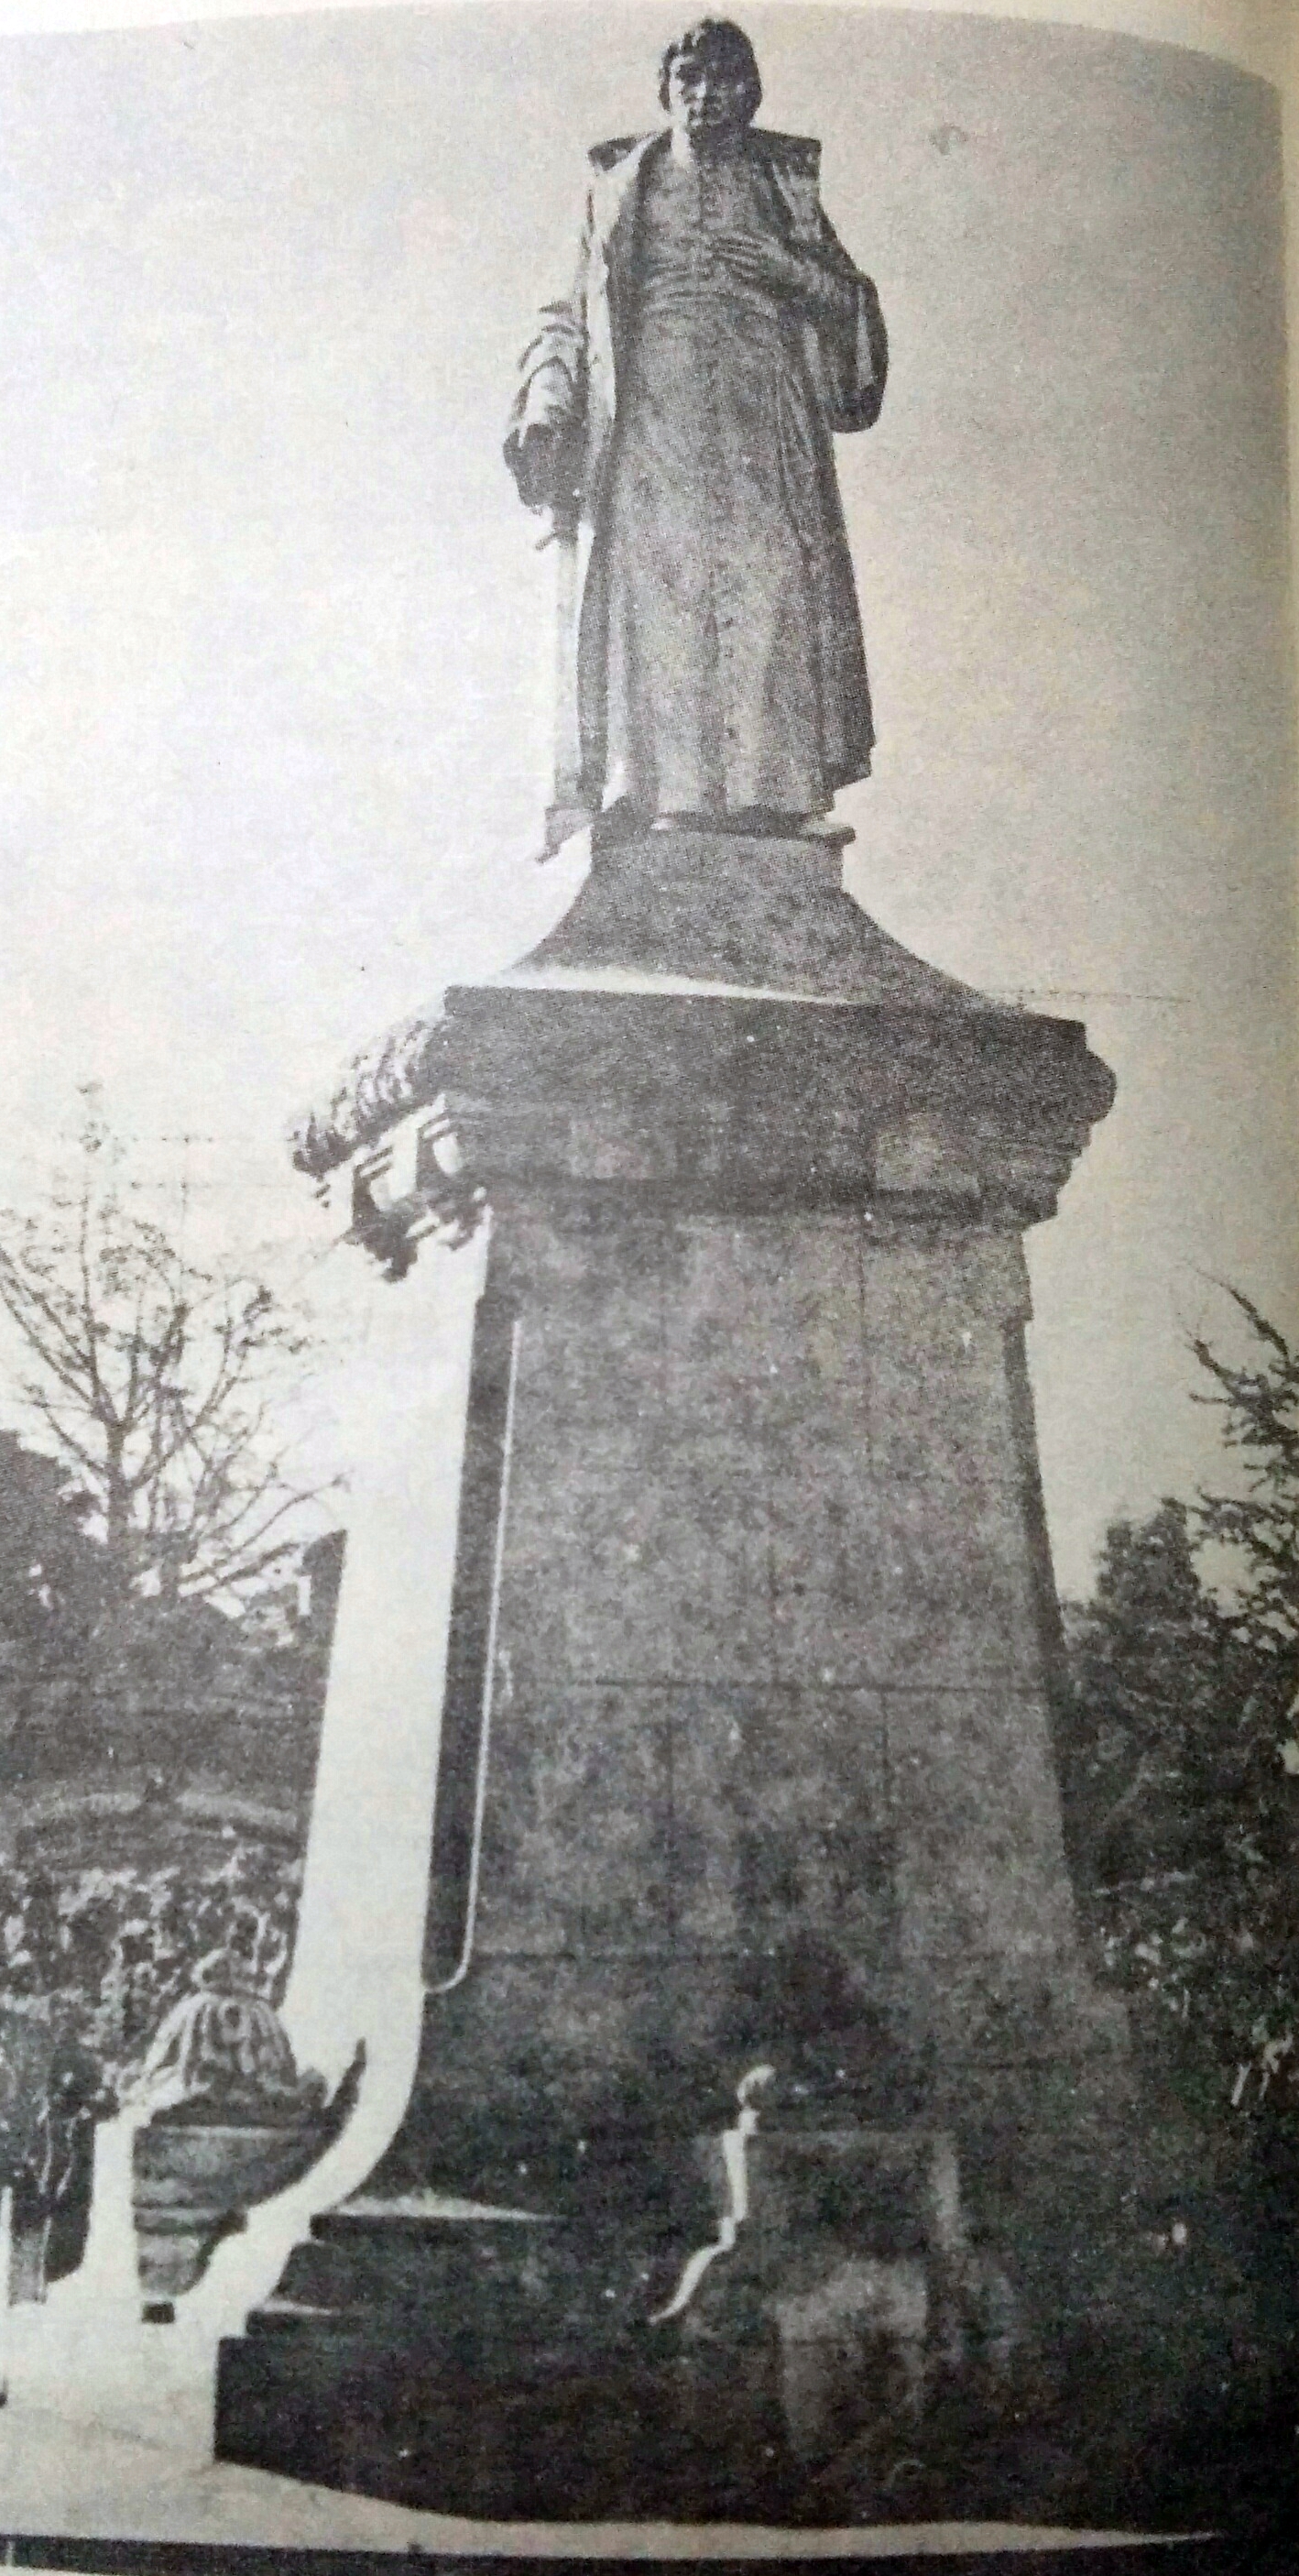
<point x="1258" y="1400"/>
<point x="1153" y="1665"/>
<point x="1182" y="1774"/>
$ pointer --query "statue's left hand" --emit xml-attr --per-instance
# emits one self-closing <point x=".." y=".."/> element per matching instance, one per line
<point x="534" y="463"/>
<point x="763" y="260"/>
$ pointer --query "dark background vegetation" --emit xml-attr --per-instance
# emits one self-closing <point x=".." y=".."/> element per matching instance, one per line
<point x="1180" y="1766"/>
<point x="1180" y="1757"/>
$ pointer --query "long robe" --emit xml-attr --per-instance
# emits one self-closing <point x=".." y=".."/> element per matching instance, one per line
<point x="720" y="664"/>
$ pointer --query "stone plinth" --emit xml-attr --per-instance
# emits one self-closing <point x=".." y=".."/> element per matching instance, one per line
<point x="752" y="1676"/>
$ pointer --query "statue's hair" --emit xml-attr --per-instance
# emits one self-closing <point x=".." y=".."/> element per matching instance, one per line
<point x="725" y="44"/>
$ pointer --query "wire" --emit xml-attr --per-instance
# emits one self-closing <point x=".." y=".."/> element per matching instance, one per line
<point x="461" y="1968"/>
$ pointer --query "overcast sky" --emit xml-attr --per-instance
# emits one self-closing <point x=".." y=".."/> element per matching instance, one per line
<point x="271" y="691"/>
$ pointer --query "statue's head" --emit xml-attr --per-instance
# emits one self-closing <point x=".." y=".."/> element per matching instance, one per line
<point x="709" y="81"/>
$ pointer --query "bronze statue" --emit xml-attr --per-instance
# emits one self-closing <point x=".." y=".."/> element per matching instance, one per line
<point x="682" y="400"/>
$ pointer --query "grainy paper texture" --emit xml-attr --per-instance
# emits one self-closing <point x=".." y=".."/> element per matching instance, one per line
<point x="278" y="701"/>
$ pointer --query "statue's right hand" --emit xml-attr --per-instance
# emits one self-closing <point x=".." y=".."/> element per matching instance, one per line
<point x="536" y="460"/>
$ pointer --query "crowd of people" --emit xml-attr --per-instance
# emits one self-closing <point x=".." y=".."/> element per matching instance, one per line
<point x="112" y="1948"/>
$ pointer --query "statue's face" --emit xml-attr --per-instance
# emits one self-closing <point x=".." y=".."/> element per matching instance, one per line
<point x="708" y="99"/>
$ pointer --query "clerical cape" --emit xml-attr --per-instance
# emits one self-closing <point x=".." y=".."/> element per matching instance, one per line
<point x="720" y="659"/>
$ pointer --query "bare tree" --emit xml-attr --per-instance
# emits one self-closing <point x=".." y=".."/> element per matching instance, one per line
<point x="159" y="1384"/>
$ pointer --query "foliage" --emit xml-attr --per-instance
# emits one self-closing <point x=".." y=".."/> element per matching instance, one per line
<point x="52" y="1587"/>
<point x="1182" y="1774"/>
<point x="1151" y="1656"/>
<point x="1259" y="1404"/>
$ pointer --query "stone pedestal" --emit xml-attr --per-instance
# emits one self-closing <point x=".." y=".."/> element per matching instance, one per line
<point x="747" y="1736"/>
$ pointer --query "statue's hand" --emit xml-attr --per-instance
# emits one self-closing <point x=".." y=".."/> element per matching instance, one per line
<point x="536" y="464"/>
<point x="782" y="268"/>
<point x="763" y="260"/>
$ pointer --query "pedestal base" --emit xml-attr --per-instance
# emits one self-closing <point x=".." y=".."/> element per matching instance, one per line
<point x="855" y="2355"/>
<point x="746" y="1753"/>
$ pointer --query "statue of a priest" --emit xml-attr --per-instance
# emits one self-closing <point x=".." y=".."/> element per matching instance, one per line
<point x="683" y="398"/>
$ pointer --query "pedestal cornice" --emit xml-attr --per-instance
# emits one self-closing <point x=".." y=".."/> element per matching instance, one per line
<point x="747" y="1100"/>
<point x="714" y="1021"/>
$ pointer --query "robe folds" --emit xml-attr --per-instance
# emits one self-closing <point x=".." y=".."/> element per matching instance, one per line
<point x="720" y="660"/>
